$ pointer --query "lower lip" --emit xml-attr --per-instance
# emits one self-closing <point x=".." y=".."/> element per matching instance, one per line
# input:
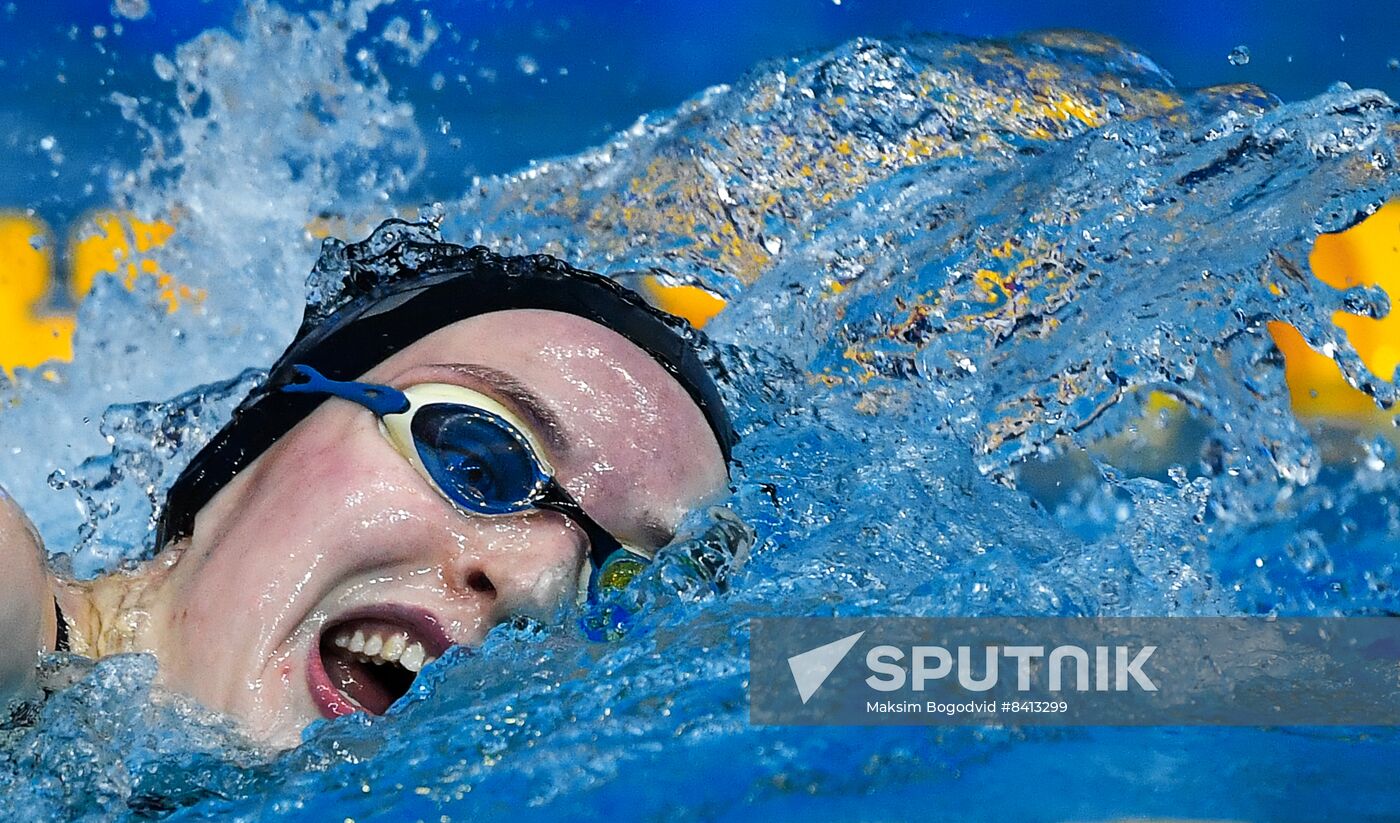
<point x="329" y="700"/>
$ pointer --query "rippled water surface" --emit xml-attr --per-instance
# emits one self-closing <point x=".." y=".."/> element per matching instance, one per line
<point x="961" y="275"/>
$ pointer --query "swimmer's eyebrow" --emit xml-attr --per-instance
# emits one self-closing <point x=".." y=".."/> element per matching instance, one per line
<point x="507" y="387"/>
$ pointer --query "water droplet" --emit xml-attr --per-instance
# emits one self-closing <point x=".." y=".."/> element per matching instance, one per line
<point x="47" y="142"/>
<point x="131" y="9"/>
<point x="165" y="69"/>
<point x="438" y="82"/>
<point x="527" y="64"/>
<point x="1238" y="56"/>
<point x="1393" y="64"/>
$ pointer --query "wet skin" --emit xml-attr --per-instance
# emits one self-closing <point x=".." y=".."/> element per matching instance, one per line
<point x="26" y="612"/>
<point x="332" y="524"/>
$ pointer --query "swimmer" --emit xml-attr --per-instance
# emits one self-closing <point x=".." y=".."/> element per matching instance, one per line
<point x="458" y="446"/>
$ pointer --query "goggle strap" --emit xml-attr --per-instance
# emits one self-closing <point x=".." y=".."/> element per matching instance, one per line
<point x="382" y="400"/>
<point x="601" y="544"/>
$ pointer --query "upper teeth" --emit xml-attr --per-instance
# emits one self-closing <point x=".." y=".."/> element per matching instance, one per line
<point x="384" y="648"/>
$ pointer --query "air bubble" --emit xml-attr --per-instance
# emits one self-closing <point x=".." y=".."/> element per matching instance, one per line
<point x="165" y="69"/>
<point x="131" y="9"/>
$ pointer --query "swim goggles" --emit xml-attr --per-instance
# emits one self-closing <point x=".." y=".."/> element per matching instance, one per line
<point x="473" y="452"/>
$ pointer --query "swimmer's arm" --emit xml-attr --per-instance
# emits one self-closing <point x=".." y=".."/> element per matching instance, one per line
<point x="27" y="620"/>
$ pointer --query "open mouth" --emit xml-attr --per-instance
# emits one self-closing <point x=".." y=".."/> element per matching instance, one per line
<point x="369" y="659"/>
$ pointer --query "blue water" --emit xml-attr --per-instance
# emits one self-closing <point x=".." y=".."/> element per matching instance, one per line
<point x="599" y="64"/>
<point x="899" y="414"/>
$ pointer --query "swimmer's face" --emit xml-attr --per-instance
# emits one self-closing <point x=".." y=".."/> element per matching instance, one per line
<point x="332" y="539"/>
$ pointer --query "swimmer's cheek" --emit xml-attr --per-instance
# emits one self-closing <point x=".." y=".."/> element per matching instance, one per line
<point x="27" y="621"/>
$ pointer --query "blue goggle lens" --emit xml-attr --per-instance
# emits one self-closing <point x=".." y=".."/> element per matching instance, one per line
<point x="477" y="459"/>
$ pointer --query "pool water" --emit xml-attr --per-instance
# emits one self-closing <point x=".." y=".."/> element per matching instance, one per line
<point x="999" y="337"/>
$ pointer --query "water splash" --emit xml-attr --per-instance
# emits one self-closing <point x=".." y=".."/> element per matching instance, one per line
<point x="121" y="494"/>
<point x="268" y="127"/>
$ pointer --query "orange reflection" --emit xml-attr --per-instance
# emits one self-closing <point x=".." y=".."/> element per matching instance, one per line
<point x="1367" y="254"/>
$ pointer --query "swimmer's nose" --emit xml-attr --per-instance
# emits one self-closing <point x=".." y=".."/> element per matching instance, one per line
<point x="523" y="564"/>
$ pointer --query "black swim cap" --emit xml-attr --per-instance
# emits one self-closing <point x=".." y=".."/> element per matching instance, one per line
<point x="400" y="286"/>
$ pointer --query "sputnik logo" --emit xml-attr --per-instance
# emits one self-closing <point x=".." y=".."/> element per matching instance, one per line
<point x="811" y="668"/>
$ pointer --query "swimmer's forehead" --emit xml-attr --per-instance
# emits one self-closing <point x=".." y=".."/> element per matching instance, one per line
<point x="576" y="381"/>
<point x="523" y="353"/>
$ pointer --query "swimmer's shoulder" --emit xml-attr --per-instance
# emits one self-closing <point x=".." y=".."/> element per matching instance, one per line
<point x="26" y="601"/>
